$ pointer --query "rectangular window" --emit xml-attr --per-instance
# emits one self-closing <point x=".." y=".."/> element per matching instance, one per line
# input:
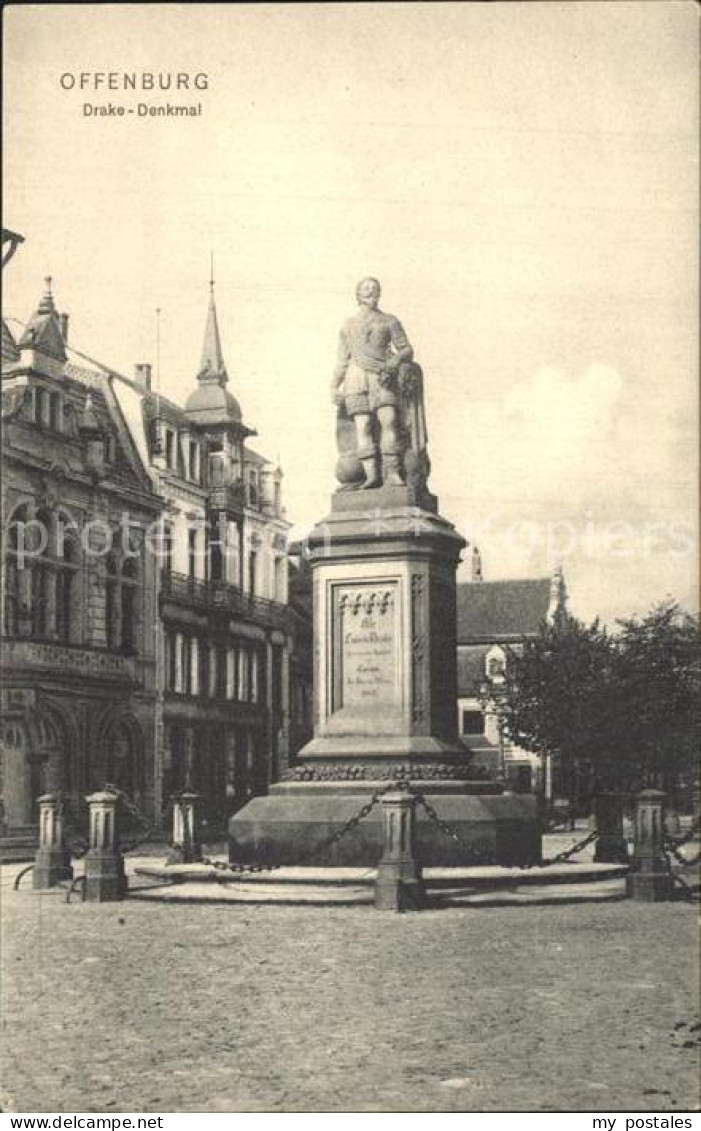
<point x="55" y="411"/>
<point x="187" y="665"/>
<point x="204" y="667"/>
<point x="193" y="461"/>
<point x="472" y="722"/>
<point x="40" y="406"/>
<point x="243" y="675"/>
<point x="221" y="673"/>
<point x="170" y="448"/>
<point x="192" y="554"/>
<point x="167" y="554"/>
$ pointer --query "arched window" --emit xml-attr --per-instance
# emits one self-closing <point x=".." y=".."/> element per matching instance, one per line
<point x="66" y="578"/>
<point x="121" y="603"/>
<point x="14" y="542"/>
<point x="130" y="581"/>
<point x="43" y="621"/>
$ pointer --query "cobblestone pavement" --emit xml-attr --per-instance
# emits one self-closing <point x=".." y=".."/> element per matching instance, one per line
<point x="146" y="1007"/>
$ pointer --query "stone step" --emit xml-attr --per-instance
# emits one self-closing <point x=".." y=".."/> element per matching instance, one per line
<point x="357" y="895"/>
<point x="454" y="879"/>
<point x="18" y="847"/>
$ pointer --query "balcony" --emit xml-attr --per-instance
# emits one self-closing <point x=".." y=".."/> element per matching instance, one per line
<point x="218" y="596"/>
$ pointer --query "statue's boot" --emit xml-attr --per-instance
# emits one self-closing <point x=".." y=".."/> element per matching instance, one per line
<point x="391" y="472"/>
<point x="372" y="479"/>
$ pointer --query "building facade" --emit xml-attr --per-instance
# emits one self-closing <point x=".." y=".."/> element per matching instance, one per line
<point x="225" y="632"/>
<point x="79" y="597"/>
<point x="147" y="638"/>
<point x="494" y="617"/>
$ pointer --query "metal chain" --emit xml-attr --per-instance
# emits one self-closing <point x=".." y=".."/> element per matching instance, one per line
<point x="672" y="847"/>
<point x="79" y="845"/>
<point x="316" y="850"/>
<point x="451" y="832"/>
<point x="687" y="890"/>
<point x="568" y="852"/>
<point x="691" y="835"/>
<point x="146" y="826"/>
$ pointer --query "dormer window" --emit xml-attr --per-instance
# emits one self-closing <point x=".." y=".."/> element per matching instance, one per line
<point x="55" y="412"/>
<point x="252" y="487"/>
<point x="495" y="664"/>
<point x="170" y="448"/>
<point x="40" y="406"/>
<point x="194" y="461"/>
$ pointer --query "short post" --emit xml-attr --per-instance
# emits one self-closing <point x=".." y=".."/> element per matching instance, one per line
<point x="105" y="879"/>
<point x="649" y="879"/>
<point x="53" y="862"/>
<point x="611" y="846"/>
<point x="187" y="829"/>
<point x="399" y="884"/>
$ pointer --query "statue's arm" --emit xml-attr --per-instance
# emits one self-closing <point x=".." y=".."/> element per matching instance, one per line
<point x="343" y="360"/>
<point x="400" y="343"/>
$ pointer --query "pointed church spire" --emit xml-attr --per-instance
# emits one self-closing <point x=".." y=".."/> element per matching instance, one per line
<point x="212" y="367"/>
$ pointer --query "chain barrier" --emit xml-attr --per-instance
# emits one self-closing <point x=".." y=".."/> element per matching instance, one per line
<point x="145" y="826"/>
<point x="71" y="807"/>
<point x="686" y="889"/>
<point x="316" y="850"/>
<point x="488" y="858"/>
<point x="672" y="847"/>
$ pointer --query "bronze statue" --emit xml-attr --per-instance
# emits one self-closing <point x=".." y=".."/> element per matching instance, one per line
<point x="378" y="390"/>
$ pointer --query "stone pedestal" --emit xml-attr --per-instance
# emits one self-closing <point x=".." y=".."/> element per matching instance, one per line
<point x="385" y="698"/>
<point x="105" y="878"/>
<point x="187" y="834"/>
<point x="398" y="886"/>
<point x="52" y="859"/>
<point x="649" y="879"/>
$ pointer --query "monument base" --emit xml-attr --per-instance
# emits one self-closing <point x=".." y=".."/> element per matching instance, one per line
<point x="494" y="827"/>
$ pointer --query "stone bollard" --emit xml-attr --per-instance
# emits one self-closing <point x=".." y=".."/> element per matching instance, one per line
<point x="399" y="885"/>
<point x="649" y="879"/>
<point x="53" y="862"/>
<point x="187" y="833"/>
<point x="105" y="879"/>
<point x="611" y="847"/>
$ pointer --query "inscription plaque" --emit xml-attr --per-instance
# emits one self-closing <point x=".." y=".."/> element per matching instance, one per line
<point x="368" y="654"/>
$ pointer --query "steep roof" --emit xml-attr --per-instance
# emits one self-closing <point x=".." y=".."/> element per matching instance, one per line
<point x="10" y="353"/>
<point x="210" y="403"/>
<point x="43" y="332"/>
<point x="501" y="610"/>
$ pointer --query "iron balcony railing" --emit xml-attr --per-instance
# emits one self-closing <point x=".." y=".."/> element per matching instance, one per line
<point x="193" y="592"/>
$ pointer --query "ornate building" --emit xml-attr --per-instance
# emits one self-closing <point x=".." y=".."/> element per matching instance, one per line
<point x="79" y="602"/>
<point x="494" y="616"/>
<point x="225" y="634"/>
<point x="147" y="635"/>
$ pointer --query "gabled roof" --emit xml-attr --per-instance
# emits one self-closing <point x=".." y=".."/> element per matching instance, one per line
<point x="502" y="610"/>
<point x="43" y="332"/>
<point x="10" y="353"/>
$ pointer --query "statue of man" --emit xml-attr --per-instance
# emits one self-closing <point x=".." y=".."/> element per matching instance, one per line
<point x="372" y="347"/>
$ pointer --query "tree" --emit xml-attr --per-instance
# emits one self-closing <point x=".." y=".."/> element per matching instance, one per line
<point x="623" y="710"/>
<point x="660" y="694"/>
<point x="558" y="699"/>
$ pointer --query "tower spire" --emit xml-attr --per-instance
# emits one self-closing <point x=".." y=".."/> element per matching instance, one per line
<point x="212" y="367"/>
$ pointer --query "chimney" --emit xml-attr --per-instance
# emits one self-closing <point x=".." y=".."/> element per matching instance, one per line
<point x="142" y="374"/>
<point x="476" y="565"/>
<point x="63" y="322"/>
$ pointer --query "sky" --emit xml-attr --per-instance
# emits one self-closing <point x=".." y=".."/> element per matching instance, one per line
<point x="523" y="180"/>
